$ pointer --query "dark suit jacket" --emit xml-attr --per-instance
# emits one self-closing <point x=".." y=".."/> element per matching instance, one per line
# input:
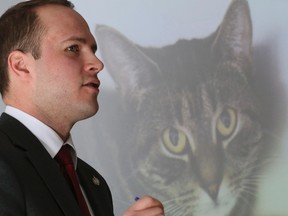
<point x="31" y="183"/>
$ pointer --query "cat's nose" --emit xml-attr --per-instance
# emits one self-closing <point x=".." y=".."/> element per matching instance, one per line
<point x="210" y="170"/>
<point x="213" y="191"/>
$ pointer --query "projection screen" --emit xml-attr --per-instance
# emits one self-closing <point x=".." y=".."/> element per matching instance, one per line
<point x="193" y="104"/>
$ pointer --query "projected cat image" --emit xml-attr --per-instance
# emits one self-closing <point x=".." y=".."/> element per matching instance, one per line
<point x="185" y="123"/>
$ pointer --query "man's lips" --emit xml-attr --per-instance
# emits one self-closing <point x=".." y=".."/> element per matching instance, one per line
<point x="92" y="84"/>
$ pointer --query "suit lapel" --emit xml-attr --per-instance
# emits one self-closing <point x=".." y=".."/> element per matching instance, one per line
<point x="48" y="170"/>
<point x="96" y="189"/>
<point x="86" y="182"/>
<point x="44" y="165"/>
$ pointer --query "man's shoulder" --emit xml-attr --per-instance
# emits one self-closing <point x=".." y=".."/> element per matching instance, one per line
<point x="6" y="144"/>
<point x="9" y="126"/>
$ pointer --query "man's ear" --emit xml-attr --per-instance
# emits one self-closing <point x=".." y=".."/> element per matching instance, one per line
<point x="18" y="62"/>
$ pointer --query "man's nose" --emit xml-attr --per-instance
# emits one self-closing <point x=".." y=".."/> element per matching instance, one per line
<point x="94" y="65"/>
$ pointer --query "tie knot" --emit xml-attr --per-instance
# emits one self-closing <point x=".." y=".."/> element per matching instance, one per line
<point x="64" y="155"/>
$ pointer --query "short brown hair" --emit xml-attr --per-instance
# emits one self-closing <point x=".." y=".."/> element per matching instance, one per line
<point x="20" y="29"/>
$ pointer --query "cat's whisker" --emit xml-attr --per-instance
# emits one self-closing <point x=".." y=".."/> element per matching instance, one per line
<point x="247" y="192"/>
<point x="179" y="198"/>
<point x="253" y="182"/>
<point x="248" y="189"/>
<point x="171" y="205"/>
<point x="249" y="184"/>
<point x="173" y="209"/>
<point x="257" y="176"/>
<point x="179" y="212"/>
<point x="252" y="179"/>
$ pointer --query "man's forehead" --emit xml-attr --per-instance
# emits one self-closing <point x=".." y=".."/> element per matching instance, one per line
<point x="65" y="23"/>
<point x="59" y="15"/>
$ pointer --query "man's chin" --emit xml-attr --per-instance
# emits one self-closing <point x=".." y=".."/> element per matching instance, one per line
<point x="89" y="112"/>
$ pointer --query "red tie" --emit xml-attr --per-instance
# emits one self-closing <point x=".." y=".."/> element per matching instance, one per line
<point x="67" y="167"/>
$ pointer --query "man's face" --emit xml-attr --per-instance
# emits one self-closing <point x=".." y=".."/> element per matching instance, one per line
<point x="65" y="82"/>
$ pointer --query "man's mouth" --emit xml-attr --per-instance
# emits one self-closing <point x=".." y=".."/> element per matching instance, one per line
<point x="93" y="84"/>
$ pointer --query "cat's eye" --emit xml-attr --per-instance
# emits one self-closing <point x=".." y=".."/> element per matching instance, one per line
<point x="174" y="140"/>
<point x="226" y="122"/>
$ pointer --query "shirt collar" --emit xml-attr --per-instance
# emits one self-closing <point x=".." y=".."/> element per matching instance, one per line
<point x="51" y="141"/>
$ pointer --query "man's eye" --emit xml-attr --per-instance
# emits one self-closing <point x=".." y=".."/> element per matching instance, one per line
<point x="74" y="48"/>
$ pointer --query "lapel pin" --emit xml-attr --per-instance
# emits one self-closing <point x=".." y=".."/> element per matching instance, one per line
<point x="95" y="181"/>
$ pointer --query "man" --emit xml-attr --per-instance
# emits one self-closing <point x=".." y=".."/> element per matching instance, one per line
<point x="48" y="80"/>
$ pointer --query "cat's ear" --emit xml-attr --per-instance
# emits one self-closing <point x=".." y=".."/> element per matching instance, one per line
<point x="128" y="66"/>
<point x="233" y="41"/>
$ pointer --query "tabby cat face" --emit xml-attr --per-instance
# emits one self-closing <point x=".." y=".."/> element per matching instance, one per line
<point x="191" y="134"/>
<point x="196" y="150"/>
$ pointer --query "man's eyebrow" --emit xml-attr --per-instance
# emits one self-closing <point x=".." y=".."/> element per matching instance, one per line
<point x="82" y="40"/>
